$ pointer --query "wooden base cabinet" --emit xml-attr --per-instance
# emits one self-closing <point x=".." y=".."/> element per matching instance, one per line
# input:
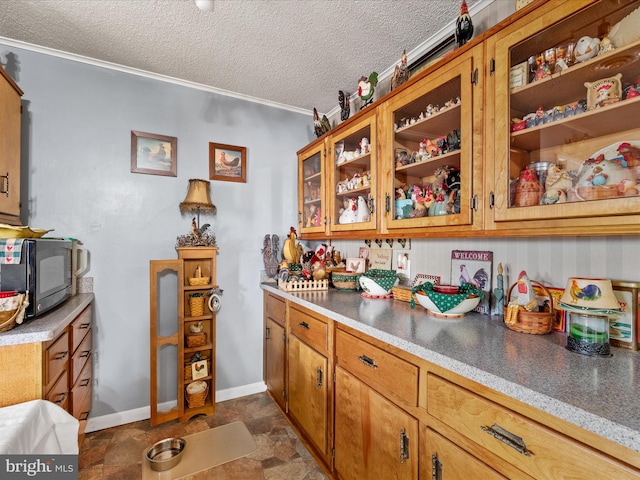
<point x="274" y="348"/>
<point x="373" y="437"/>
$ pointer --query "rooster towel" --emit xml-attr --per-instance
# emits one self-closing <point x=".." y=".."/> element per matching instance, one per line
<point x="474" y="267"/>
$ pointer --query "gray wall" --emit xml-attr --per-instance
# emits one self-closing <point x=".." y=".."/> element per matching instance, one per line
<point x="77" y="124"/>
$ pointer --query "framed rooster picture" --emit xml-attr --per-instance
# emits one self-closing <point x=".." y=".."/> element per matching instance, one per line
<point x="227" y="163"/>
<point x="474" y="267"/>
<point x="154" y="154"/>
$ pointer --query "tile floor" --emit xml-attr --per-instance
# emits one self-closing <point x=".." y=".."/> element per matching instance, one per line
<point x="116" y="453"/>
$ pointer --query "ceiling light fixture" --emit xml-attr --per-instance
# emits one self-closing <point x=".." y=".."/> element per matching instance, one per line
<point x="205" y="5"/>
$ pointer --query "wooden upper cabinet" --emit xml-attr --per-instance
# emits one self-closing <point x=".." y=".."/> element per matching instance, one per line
<point x="311" y="189"/>
<point x="10" y="120"/>
<point x="352" y="167"/>
<point x="596" y="189"/>
<point x="430" y="149"/>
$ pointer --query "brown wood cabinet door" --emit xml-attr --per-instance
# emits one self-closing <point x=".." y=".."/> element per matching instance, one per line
<point x="308" y="391"/>
<point x="444" y="460"/>
<point x="374" y="439"/>
<point x="274" y="361"/>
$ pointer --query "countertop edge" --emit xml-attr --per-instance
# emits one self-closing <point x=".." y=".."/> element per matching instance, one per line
<point x="603" y="427"/>
<point x="47" y="327"/>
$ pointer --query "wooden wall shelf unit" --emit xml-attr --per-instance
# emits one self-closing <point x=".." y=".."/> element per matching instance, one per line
<point x="190" y="260"/>
<point x="491" y="156"/>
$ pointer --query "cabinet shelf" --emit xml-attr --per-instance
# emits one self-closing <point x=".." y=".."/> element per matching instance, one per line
<point x="312" y="177"/>
<point x="431" y="127"/>
<point x="362" y="160"/>
<point x="594" y="123"/>
<point x="568" y="86"/>
<point x="427" y="167"/>
<point x="355" y="191"/>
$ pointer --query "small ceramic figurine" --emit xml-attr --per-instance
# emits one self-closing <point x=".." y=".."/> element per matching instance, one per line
<point x="464" y="25"/>
<point x="320" y="126"/>
<point x="345" y="105"/>
<point x="498" y="292"/>
<point x="401" y="72"/>
<point x="366" y="87"/>
<point x="586" y="48"/>
<point x="605" y="46"/>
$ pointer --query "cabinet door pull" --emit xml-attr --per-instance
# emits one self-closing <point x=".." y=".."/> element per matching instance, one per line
<point x="85" y="354"/>
<point x="304" y="325"/>
<point x="436" y="468"/>
<point x="492" y="200"/>
<point x="84" y="416"/>
<point x="84" y="326"/>
<point x="387" y="203"/>
<point x="369" y="362"/>
<point x="267" y="335"/>
<point x="61" y="398"/>
<point x="318" y="377"/>
<point x="85" y="382"/>
<point x="61" y="355"/>
<point x="507" y="437"/>
<point x="4" y="184"/>
<point x="404" y="446"/>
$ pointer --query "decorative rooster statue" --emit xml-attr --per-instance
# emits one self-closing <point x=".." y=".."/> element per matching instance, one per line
<point x="270" y="255"/>
<point x="345" y="105"/>
<point x="401" y="72"/>
<point x="292" y="251"/>
<point x="366" y="87"/>
<point x="320" y="126"/>
<point x="464" y="25"/>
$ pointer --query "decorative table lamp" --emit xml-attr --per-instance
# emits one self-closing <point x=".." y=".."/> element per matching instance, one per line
<point x="590" y="302"/>
<point x="197" y="200"/>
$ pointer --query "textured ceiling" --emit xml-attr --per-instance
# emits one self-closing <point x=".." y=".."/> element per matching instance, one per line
<point x="297" y="53"/>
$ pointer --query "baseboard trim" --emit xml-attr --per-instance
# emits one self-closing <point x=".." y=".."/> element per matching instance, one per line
<point x="143" y="413"/>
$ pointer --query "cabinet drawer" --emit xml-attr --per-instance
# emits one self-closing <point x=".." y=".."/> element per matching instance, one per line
<point x="55" y="358"/>
<point x="81" y="393"/>
<point x="386" y="373"/>
<point x="80" y="357"/>
<point x="541" y="452"/>
<point x="59" y="392"/>
<point x="276" y="309"/>
<point x="80" y="327"/>
<point x="312" y="331"/>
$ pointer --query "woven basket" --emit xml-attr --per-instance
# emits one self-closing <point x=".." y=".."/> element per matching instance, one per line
<point x="188" y="371"/>
<point x="196" y="393"/>
<point x="10" y="318"/>
<point x="535" y="323"/>
<point x="196" y="305"/>
<point x="344" y="280"/>
<point x="198" y="281"/>
<point x="196" y="339"/>
<point x="402" y="293"/>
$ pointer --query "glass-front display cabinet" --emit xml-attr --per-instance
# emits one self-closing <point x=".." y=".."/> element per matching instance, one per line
<point x="567" y="103"/>
<point x="428" y="148"/>
<point x="351" y="161"/>
<point x="311" y="190"/>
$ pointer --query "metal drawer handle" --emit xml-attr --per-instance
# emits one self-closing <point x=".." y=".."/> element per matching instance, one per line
<point x="61" y="355"/>
<point x="508" y="438"/>
<point x="318" y="377"/>
<point x="304" y="325"/>
<point x="84" y="326"/>
<point x="369" y="362"/>
<point x="85" y="382"/>
<point x="85" y="354"/>
<point x="84" y="416"/>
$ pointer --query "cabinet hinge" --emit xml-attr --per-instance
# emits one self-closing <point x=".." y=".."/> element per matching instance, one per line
<point x="284" y="337"/>
<point x="474" y="203"/>
<point x="492" y="200"/>
<point x="284" y="395"/>
<point x="372" y="208"/>
<point x="436" y="467"/>
<point x="492" y="67"/>
<point x="334" y="377"/>
<point x="404" y="446"/>
<point x="474" y="76"/>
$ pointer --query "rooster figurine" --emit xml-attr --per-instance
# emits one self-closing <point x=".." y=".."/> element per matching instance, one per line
<point x="366" y="87"/>
<point x="320" y="126"/>
<point x="401" y="72"/>
<point x="292" y="251"/>
<point x="345" y="105"/>
<point x="464" y="25"/>
<point x="525" y="295"/>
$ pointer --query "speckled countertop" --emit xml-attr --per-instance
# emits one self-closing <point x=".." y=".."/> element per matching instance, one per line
<point x="49" y="325"/>
<point x="599" y="394"/>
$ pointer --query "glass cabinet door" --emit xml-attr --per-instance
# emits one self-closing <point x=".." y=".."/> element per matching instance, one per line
<point x="428" y="150"/>
<point x="352" y="162"/>
<point x="311" y="190"/>
<point x="567" y="96"/>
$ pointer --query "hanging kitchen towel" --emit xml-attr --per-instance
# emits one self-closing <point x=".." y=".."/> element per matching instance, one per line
<point x="10" y="250"/>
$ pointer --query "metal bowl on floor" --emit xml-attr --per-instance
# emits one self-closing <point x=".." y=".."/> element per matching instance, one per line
<point x="166" y="453"/>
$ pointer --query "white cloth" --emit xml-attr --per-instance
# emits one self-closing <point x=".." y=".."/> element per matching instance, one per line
<point x="37" y="427"/>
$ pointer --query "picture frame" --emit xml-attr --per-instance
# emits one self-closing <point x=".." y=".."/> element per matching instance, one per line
<point x="518" y="75"/>
<point x="227" y="163"/>
<point x="623" y="328"/>
<point x="425" y="277"/>
<point x="560" y="320"/>
<point x="154" y="154"/>
<point x="199" y="370"/>
<point x="356" y="265"/>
